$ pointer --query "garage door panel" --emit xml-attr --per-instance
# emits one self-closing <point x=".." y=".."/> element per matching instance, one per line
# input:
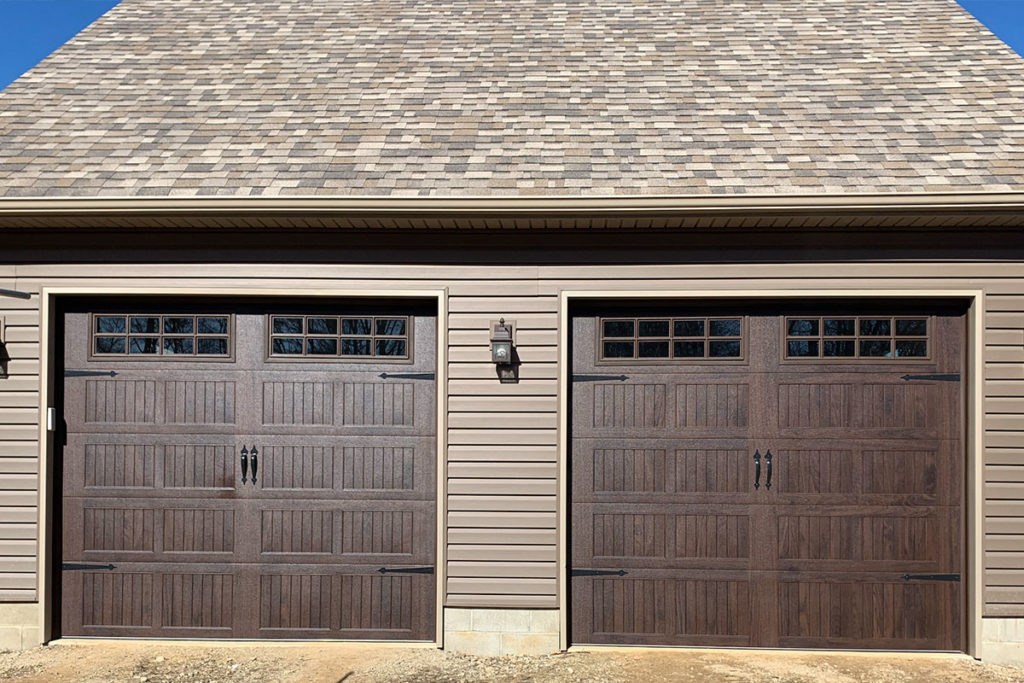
<point x="860" y="484"/>
<point x="117" y="531"/>
<point x="834" y="612"/>
<point x="344" y="602"/>
<point x="712" y="470"/>
<point x="367" y="532"/>
<point x="158" y="465"/>
<point x="865" y="471"/>
<point x="168" y="540"/>
<point x="650" y="608"/>
<point x="355" y="467"/>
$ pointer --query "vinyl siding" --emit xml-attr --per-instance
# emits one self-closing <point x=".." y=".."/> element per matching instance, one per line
<point x="502" y="461"/>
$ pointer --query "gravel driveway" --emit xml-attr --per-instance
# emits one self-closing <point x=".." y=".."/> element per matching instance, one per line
<point x="142" y="662"/>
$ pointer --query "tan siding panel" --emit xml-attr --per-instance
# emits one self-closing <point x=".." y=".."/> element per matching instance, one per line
<point x="526" y="570"/>
<point x="501" y="487"/>
<point x="504" y="306"/>
<point x="503" y="470"/>
<point x="527" y="371"/>
<point x="502" y="553"/>
<point x="494" y="404"/>
<point x="545" y="453"/>
<point x="487" y="388"/>
<point x="506" y="537"/>
<point x="531" y="421"/>
<point x="484" y="503"/>
<point x="526" y="437"/>
<point x="502" y="586"/>
<point x="482" y="354"/>
<point x="499" y="601"/>
<point x="17" y="399"/>
<point x="503" y="520"/>
<point x="26" y="583"/>
<point x="482" y="337"/>
<point x="18" y="531"/>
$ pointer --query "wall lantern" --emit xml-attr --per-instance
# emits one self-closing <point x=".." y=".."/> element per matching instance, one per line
<point x="503" y="352"/>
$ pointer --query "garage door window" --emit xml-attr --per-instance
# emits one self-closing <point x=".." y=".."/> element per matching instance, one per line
<point x="874" y="337"/>
<point x="624" y="339"/>
<point x="326" y="337"/>
<point x="142" y="335"/>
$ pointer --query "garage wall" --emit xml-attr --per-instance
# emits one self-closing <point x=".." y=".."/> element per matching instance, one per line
<point x="502" y="459"/>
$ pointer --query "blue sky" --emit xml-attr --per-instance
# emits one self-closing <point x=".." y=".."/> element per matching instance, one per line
<point x="32" y="29"/>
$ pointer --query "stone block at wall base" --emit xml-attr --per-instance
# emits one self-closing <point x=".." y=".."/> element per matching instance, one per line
<point x="492" y="632"/>
<point x="19" y="626"/>
<point x="1002" y="641"/>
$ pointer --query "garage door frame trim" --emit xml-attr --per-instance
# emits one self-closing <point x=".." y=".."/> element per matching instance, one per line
<point x="48" y="298"/>
<point x="974" y="434"/>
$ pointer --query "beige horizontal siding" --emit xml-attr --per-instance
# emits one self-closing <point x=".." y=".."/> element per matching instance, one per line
<point x="502" y="457"/>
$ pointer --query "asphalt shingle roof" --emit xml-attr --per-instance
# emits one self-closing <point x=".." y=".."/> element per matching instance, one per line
<point x="487" y="98"/>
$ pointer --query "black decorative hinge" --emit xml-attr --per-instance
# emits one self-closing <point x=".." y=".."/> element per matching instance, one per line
<point x="406" y="570"/>
<point x="74" y="566"/>
<point x="90" y="373"/>
<point x="949" y="377"/>
<point x="931" y="577"/>
<point x="598" y="572"/>
<point x="600" y="378"/>
<point x="406" y="375"/>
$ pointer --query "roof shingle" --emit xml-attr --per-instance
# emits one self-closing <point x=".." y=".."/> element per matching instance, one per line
<point x="484" y="98"/>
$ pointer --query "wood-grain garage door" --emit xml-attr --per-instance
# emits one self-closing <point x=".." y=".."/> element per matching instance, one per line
<point x="777" y="478"/>
<point x="248" y="472"/>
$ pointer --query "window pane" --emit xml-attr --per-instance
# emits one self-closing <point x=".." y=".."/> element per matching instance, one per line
<point x="654" y="328"/>
<point x="355" y="347"/>
<point x="875" y="348"/>
<point x="618" y="328"/>
<point x="912" y="348"/>
<point x="213" y="326"/>
<point x="803" y="328"/>
<point x="839" y="328"/>
<point x="802" y="348"/>
<point x="658" y="349"/>
<point x="391" y="347"/>
<point x="110" y="324"/>
<point x="844" y="348"/>
<point x="322" y="347"/>
<point x="356" y="326"/>
<point x="176" y="346"/>
<point x="145" y="325"/>
<point x="287" y="326"/>
<point x="724" y="328"/>
<point x="689" y="349"/>
<point x="322" y="326"/>
<point x="110" y="344"/>
<point x="724" y="349"/>
<point x="143" y="345"/>
<point x="875" y="327"/>
<point x="391" y="327"/>
<point x="689" y="328"/>
<point x="912" y="328"/>
<point x="618" y="349"/>
<point x="178" y="325"/>
<point x="287" y="346"/>
<point x="213" y="347"/>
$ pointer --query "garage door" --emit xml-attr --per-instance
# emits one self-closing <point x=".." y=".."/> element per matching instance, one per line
<point x="776" y="478"/>
<point x="248" y="472"/>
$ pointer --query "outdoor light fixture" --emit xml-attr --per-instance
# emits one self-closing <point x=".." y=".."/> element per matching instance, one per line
<point x="502" y="352"/>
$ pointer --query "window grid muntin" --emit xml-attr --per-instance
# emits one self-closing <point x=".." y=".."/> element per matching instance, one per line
<point x="704" y="338"/>
<point x="342" y="340"/>
<point x="863" y="336"/>
<point x="135" y="341"/>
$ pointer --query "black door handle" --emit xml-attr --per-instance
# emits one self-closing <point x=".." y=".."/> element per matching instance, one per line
<point x="255" y="462"/>
<point x="768" y="479"/>
<point x="245" y="462"/>
<point x="757" y="469"/>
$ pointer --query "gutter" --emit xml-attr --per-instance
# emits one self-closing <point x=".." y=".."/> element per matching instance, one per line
<point x="923" y="202"/>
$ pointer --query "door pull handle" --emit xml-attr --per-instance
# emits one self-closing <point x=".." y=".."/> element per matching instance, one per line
<point x="768" y="479"/>
<point x="757" y="469"/>
<point x="255" y="463"/>
<point x="245" y="463"/>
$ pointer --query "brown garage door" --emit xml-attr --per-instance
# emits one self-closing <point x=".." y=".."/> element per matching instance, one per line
<point x="776" y="478"/>
<point x="248" y="472"/>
